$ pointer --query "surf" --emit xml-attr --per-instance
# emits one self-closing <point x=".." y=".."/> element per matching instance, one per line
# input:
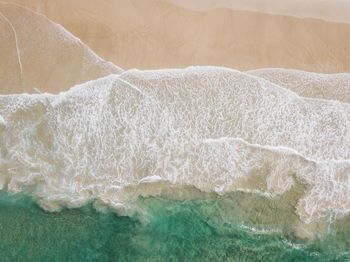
<point x="140" y="133"/>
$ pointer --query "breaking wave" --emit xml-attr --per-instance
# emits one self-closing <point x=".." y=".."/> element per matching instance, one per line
<point x="138" y="133"/>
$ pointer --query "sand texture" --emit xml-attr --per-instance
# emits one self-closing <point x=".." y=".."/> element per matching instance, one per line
<point x="39" y="55"/>
<point x="157" y="34"/>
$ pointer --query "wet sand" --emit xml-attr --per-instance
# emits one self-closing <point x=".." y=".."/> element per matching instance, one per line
<point x="157" y="34"/>
<point x="329" y="10"/>
<point x="38" y="55"/>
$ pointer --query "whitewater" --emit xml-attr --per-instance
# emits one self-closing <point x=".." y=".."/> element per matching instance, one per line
<point x="139" y="133"/>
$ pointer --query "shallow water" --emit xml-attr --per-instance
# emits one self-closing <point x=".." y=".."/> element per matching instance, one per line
<point x="161" y="229"/>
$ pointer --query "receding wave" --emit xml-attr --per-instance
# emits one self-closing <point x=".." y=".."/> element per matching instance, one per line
<point x="315" y="85"/>
<point x="141" y="132"/>
<point x="38" y="54"/>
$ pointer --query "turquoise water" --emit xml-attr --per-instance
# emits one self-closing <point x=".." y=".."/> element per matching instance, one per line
<point x="209" y="229"/>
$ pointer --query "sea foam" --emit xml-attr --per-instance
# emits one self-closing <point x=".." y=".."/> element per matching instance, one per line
<point x="215" y="129"/>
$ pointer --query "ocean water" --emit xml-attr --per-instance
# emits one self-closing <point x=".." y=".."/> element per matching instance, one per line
<point x="165" y="230"/>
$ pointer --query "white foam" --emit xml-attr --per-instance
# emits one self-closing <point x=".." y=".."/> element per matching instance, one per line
<point x="215" y="129"/>
<point x="307" y="84"/>
<point x="151" y="179"/>
<point x="2" y="122"/>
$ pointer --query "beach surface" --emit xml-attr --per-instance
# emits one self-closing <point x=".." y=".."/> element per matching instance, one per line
<point x="157" y="34"/>
<point x="329" y="10"/>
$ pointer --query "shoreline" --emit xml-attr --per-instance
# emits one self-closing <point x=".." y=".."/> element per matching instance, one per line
<point x="130" y="36"/>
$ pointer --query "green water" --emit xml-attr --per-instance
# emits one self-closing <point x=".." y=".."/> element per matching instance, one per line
<point x="161" y="229"/>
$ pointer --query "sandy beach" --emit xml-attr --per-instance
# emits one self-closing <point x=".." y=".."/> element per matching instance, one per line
<point x="38" y="55"/>
<point x="157" y="34"/>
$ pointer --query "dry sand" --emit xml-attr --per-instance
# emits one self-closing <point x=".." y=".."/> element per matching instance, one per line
<point x="157" y="34"/>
